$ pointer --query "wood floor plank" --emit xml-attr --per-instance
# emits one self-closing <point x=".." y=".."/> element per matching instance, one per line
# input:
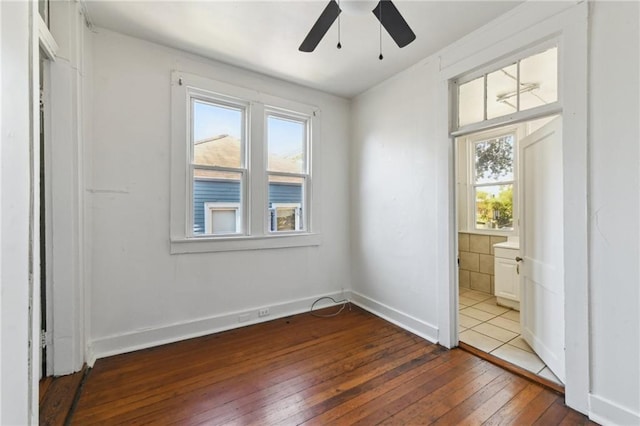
<point x="554" y="414"/>
<point x="43" y="386"/>
<point x="477" y="399"/>
<point x="354" y="368"/>
<point x="473" y="375"/>
<point x="223" y="358"/>
<point x="342" y="393"/>
<point x="58" y="399"/>
<point x="188" y="358"/>
<point x="432" y="409"/>
<point x="394" y="400"/>
<point x="341" y="386"/>
<point x="516" y="405"/>
<point x="366" y="401"/>
<point x="493" y="404"/>
<point x="535" y="409"/>
<point x="238" y="376"/>
<point x="573" y="418"/>
<point x="288" y="380"/>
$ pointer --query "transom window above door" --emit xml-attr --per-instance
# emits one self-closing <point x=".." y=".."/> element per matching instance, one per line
<point x="519" y="85"/>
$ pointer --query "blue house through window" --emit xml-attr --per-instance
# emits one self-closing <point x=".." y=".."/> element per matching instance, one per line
<point x="228" y="191"/>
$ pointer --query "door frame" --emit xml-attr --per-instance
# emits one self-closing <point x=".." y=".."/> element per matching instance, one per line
<point x="48" y="51"/>
<point x="527" y="25"/>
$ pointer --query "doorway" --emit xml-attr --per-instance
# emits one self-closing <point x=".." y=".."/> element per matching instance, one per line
<point x="497" y="314"/>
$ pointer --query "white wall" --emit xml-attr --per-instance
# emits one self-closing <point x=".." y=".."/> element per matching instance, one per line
<point x="394" y="206"/>
<point x="614" y="156"/>
<point x="14" y="214"/>
<point x="140" y="294"/>
<point x="398" y="154"/>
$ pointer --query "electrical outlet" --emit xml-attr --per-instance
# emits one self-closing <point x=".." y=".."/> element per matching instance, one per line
<point x="263" y="312"/>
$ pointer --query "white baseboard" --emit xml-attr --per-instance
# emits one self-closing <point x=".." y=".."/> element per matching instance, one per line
<point x="142" y="339"/>
<point x="414" y="325"/>
<point x="607" y="412"/>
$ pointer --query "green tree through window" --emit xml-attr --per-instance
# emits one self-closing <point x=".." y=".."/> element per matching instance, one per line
<point x="493" y="161"/>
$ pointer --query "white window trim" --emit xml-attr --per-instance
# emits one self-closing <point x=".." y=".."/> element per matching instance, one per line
<point x="256" y="235"/>
<point x="212" y="206"/>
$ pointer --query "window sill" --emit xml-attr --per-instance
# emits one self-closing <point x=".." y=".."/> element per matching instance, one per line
<point x="208" y="245"/>
<point x="490" y="232"/>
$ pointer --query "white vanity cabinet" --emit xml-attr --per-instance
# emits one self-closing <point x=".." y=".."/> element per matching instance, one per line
<point x="507" y="279"/>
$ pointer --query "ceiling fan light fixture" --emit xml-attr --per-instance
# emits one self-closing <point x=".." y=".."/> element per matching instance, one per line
<point x="357" y="7"/>
<point x="385" y="11"/>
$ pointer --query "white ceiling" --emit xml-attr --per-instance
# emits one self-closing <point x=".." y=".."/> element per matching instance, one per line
<point x="264" y="36"/>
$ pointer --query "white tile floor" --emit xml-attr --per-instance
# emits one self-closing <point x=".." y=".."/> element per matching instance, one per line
<point x="496" y="330"/>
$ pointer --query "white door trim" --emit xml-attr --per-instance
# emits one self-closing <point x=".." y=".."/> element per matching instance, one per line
<point x="529" y="24"/>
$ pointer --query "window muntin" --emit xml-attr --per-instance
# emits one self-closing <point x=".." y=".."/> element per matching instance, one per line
<point x="287" y="172"/>
<point x="218" y="170"/>
<point x="526" y="84"/>
<point x="493" y="182"/>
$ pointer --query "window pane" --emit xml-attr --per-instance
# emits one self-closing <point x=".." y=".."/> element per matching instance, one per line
<point x="286" y="140"/>
<point x="209" y="187"/>
<point x="502" y="88"/>
<point x="494" y="207"/>
<point x="494" y="159"/>
<point x="286" y="218"/>
<point x="217" y="135"/>
<point x="539" y="79"/>
<point x="471" y="102"/>
<point x="286" y="201"/>
<point x="223" y="220"/>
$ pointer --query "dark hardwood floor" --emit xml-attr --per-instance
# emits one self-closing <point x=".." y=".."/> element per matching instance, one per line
<point x="351" y="369"/>
<point x="57" y="395"/>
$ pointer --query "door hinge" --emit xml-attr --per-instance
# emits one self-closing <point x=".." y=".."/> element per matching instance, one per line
<point x="43" y="339"/>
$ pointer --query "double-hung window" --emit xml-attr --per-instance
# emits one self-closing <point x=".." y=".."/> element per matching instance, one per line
<point x="492" y="182"/>
<point x="241" y="167"/>
<point x="487" y="180"/>
<point x="217" y="166"/>
<point x="287" y="170"/>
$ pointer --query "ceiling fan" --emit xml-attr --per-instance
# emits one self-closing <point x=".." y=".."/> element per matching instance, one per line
<point x="386" y="12"/>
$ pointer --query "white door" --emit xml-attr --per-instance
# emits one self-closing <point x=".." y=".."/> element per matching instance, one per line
<point x="541" y="244"/>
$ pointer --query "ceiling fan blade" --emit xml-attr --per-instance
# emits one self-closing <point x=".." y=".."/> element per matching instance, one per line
<point x="394" y="23"/>
<point x="320" y="28"/>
